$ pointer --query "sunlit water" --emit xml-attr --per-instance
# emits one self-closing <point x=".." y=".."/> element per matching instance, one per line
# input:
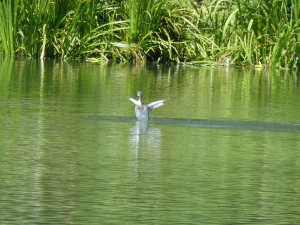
<point x="225" y="150"/>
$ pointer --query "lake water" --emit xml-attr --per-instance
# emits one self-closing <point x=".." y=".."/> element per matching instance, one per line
<point x="224" y="150"/>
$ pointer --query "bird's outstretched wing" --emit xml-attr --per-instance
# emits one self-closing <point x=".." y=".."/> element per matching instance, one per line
<point x="133" y="100"/>
<point x="156" y="104"/>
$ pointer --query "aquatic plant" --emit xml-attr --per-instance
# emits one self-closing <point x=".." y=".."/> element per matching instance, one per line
<point x="7" y="22"/>
<point x="255" y="33"/>
<point x="247" y="33"/>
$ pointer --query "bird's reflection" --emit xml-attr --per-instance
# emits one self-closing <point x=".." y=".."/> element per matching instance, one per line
<point x="146" y="144"/>
<point x="141" y="127"/>
<point x="142" y="134"/>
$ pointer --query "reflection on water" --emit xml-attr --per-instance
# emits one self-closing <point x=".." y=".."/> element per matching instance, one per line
<point x="144" y="138"/>
<point x="224" y="151"/>
<point x="142" y="134"/>
<point x="141" y="127"/>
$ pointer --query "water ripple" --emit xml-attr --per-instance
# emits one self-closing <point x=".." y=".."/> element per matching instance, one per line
<point x="204" y="123"/>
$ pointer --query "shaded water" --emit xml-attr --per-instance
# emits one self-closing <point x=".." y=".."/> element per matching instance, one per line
<point x="225" y="150"/>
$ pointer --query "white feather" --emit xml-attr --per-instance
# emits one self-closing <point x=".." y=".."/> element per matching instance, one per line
<point x="156" y="104"/>
<point x="134" y="101"/>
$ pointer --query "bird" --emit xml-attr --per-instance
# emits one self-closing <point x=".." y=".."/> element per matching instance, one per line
<point x="142" y="110"/>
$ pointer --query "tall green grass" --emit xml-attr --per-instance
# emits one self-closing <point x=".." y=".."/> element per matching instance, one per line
<point x="157" y="29"/>
<point x="253" y="33"/>
<point x="7" y="24"/>
<point x="247" y="33"/>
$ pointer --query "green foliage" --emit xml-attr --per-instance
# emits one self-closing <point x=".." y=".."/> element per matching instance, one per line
<point x="253" y="33"/>
<point x="7" y="23"/>
<point x="247" y="33"/>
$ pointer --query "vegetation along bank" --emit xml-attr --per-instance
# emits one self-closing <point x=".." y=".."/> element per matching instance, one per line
<point x="250" y="33"/>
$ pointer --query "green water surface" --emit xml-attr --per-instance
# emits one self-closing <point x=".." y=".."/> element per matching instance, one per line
<point x="224" y="150"/>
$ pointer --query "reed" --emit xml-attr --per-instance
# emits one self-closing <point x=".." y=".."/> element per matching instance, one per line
<point x="7" y="24"/>
<point x="255" y="33"/>
<point x="248" y="33"/>
<point x="157" y="29"/>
